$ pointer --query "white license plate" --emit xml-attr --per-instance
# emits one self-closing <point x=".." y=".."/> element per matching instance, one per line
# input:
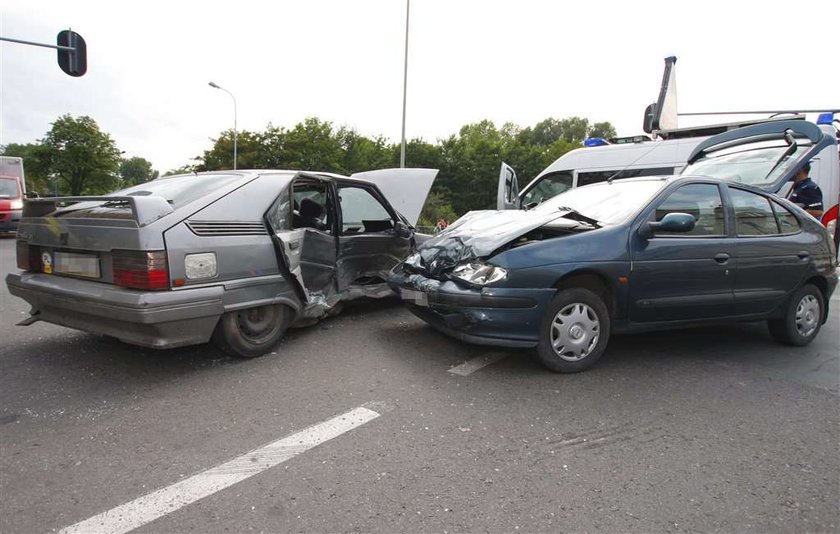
<point x="86" y="265"/>
<point x="416" y="297"/>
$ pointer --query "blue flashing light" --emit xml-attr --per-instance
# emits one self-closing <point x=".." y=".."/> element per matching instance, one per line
<point x="595" y="141"/>
<point x="825" y="118"/>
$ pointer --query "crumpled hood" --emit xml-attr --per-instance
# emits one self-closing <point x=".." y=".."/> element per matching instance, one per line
<point x="479" y="233"/>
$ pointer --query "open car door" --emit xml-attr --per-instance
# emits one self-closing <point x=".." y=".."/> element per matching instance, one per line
<point x="762" y="155"/>
<point x="405" y="189"/>
<point x="508" y="192"/>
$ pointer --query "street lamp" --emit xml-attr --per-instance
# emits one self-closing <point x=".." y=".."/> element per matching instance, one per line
<point x="405" y="84"/>
<point x="214" y="86"/>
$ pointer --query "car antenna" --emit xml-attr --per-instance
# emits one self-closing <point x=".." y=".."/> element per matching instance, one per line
<point x="616" y="173"/>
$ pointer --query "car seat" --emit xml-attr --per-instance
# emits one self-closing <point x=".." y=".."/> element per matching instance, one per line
<point x="310" y="214"/>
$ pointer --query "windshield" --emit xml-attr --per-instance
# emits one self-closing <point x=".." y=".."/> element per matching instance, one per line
<point x="608" y="203"/>
<point x="9" y="188"/>
<point x="754" y="163"/>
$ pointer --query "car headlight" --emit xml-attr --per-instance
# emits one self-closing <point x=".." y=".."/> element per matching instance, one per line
<point x="16" y="204"/>
<point x="413" y="260"/>
<point x="479" y="273"/>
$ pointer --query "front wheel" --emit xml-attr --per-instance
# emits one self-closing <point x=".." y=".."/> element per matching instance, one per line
<point x="251" y="332"/>
<point x="574" y="331"/>
<point x="803" y="317"/>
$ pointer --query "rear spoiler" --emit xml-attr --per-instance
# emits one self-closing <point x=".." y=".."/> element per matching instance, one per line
<point x="145" y="209"/>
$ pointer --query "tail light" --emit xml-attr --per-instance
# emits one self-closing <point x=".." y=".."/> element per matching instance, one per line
<point x="27" y="257"/>
<point x="139" y="269"/>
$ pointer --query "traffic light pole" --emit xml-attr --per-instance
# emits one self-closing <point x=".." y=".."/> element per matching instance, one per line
<point x="72" y="51"/>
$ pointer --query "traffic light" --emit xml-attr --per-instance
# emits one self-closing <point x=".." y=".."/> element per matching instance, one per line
<point x="74" y="60"/>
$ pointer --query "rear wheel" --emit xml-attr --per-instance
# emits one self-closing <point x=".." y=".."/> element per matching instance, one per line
<point x="251" y="332"/>
<point x="803" y="317"/>
<point x="574" y="331"/>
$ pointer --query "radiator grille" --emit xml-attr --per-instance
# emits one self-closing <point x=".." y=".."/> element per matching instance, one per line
<point x="227" y="228"/>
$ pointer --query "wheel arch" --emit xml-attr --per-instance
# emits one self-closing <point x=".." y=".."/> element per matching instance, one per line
<point x="593" y="281"/>
<point x="821" y="284"/>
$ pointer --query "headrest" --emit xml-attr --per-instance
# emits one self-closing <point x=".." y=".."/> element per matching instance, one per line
<point x="310" y="209"/>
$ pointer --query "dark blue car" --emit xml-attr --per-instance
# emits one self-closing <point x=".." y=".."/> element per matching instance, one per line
<point x="634" y="254"/>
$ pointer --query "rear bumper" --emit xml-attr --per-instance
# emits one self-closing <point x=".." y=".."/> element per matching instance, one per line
<point x="157" y="319"/>
<point x="504" y="317"/>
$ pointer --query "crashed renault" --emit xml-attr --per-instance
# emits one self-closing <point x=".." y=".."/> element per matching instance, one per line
<point x="232" y="256"/>
<point x="711" y="245"/>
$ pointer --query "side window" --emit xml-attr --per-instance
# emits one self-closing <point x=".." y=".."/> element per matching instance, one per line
<point x="788" y="223"/>
<point x="362" y="212"/>
<point x="703" y="202"/>
<point x="549" y="186"/>
<point x="310" y="206"/>
<point x="753" y="214"/>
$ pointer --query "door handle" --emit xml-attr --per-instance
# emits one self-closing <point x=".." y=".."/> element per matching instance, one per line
<point x="803" y="255"/>
<point x="722" y="258"/>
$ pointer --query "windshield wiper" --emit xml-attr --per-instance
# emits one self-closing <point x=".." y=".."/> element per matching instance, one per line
<point x="575" y="215"/>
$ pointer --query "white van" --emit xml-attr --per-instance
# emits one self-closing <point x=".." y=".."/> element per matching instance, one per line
<point x="642" y="156"/>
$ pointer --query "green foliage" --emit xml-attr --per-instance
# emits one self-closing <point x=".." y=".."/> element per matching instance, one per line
<point x="469" y="161"/>
<point x="136" y="170"/>
<point x="84" y="159"/>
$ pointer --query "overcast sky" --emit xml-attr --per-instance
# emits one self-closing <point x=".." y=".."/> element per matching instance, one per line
<point x="517" y="61"/>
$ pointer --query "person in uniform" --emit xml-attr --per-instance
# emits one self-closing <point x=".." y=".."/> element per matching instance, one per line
<point x="805" y="193"/>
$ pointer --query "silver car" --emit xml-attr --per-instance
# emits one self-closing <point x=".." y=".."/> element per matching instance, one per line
<point x="233" y="256"/>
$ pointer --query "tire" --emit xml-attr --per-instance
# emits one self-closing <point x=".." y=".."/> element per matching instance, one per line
<point x="574" y="331"/>
<point x="251" y="332"/>
<point x="803" y="317"/>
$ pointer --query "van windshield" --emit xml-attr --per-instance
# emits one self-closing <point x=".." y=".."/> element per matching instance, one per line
<point x="9" y="188"/>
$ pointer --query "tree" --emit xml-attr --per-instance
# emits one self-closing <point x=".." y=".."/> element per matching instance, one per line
<point x="136" y="170"/>
<point x="602" y="129"/>
<point x="84" y="158"/>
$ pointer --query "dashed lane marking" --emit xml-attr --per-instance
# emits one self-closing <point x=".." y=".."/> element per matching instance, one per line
<point x="159" y="503"/>
<point x="471" y="366"/>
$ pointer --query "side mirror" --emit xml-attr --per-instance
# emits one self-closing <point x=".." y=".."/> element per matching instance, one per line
<point x="31" y="194"/>
<point x="402" y="229"/>
<point x="672" y="222"/>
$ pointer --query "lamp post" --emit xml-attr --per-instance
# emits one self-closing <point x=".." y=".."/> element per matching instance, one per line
<point x="214" y="86"/>
<point x="405" y="83"/>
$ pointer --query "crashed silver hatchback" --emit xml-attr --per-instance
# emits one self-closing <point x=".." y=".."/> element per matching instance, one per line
<point x="232" y="256"/>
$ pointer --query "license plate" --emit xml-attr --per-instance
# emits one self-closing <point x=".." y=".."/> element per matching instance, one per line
<point x="417" y="297"/>
<point x="86" y="265"/>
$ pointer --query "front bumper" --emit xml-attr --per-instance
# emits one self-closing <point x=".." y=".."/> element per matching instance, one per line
<point x="505" y="317"/>
<point x="9" y="221"/>
<point x="157" y="319"/>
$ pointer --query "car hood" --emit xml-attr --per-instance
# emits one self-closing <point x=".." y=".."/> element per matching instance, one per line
<point x="478" y="234"/>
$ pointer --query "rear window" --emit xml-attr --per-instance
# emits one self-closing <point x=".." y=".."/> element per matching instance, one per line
<point x="177" y="190"/>
<point x="180" y="190"/>
<point x="9" y="188"/>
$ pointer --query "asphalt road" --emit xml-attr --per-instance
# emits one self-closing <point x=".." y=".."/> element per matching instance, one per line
<point x="715" y="429"/>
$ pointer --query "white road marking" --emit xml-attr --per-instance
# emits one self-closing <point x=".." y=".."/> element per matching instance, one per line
<point x="166" y="500"/>
<point x="471" y="366"/>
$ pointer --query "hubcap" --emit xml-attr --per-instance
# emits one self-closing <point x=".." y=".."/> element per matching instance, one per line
<point x="807" y="315"/>
<point x="258" y="324"/>
<point x="575" y="331"/>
